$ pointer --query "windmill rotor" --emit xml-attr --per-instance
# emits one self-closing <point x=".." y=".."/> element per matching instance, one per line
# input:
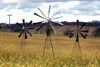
<point x="24" y="29"/>
<point x="47" y="19"/>
<point x="79" y="30"/>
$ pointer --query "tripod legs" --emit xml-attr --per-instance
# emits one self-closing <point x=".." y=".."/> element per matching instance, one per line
<point x="44" y="46"/>
<point x="75" y="47"/>
<point x="50" y="45"/>
<point x="79" y="47"/>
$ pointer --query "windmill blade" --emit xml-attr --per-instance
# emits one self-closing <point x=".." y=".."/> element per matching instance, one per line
<point x="23" y="22"/>
<point x="39" y="15"/>
<point x="40" y="27"/>
<point x="42" y="13"/>
<point x="55" y="14"/>
<point x="49" y="10"/>
<point x="83" y="35"/>
<point x="57" y="18"/>
<point x="82" y="25"/>
<point x="85" y="31"/>
<point x="59" y="23"/>
<point x="19" y="24"/>
<point x="25" y="35"/>
<point x="53" y="28"/>
<point x="77" y="38"/>
<point x="70" y="36"/>
<point x="21" y="34"/>
<point x="29" y="33"/>
<point x="30" y="23"/>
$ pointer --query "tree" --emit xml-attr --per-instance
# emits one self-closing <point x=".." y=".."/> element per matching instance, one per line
<point x="96" y="33"/>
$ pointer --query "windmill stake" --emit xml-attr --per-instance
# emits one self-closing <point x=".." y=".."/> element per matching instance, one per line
<point x="44" y="46"/>
<point x="52" y="47"/>
<point x="75" y="47"/>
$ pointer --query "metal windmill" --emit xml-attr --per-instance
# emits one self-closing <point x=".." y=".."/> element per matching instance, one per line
<point x="78" y="30"/>
<point x="48" y="24"/>
<point x="24" y="31"/>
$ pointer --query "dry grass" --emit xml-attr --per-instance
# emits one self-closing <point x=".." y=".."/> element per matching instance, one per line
<point x="12" y="56"/>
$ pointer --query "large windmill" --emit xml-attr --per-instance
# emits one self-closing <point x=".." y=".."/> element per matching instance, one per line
<point x="48" y="24"/>
<point x="24" y="31"/>
<point x="78" y="31"/>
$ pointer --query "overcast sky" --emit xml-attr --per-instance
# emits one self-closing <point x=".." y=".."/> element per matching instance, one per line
<point x="70" y="10"/>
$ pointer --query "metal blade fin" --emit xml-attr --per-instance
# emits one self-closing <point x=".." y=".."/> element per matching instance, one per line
<point x="39" y="15"/>
<point x="19" y="24"/>
<point x="53" y="28"/>
<point x="55" y="14"/>
<point x="25" y="35"/>
<point x="86" y="31"/>
<point x="30" y="23"/>
<point x="20" y="34"/>
<point x="29" y="33"/>
<point x="77" y="38"/>
<point x="49" y="10"/>
<point x="23" y="22"/>
<point x="70" y="36"/>
<point x="59" y="23"/>
<point x="83" y="35"/>
<point x="42" y="13"/>
<point x="40" y="27"/>
<point x="57" y="18"/>
<point x="82" y="25"/>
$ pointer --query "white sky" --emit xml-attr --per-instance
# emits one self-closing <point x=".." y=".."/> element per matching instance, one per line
<point x="71" y="10"/>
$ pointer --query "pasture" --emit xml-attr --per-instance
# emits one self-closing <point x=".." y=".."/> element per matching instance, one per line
<point x="11" y="55"/>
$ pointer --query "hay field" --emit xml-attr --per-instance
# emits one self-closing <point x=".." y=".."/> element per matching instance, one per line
<point x="11" y="55"/>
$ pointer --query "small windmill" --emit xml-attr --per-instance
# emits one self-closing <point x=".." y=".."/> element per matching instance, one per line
<point x="78" y="30"/>
<point x="24" y="31"/>
<point x="48" y="26"/>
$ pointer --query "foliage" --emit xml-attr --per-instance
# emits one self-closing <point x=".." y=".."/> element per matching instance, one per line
<point x="49" y="28"/>
<point x="96" y="33"/>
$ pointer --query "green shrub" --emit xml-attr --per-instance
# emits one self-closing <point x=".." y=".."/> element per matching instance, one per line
<point x="96" y="33"/>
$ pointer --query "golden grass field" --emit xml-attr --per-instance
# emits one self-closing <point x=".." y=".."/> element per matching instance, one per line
<point x="11" y="55"/>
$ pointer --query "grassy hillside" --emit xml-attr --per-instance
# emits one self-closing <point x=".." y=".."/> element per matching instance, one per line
<point x="11" y="55"/>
